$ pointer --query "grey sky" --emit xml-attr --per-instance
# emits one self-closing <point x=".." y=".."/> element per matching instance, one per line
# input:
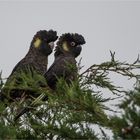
<point x="106" y="25"/>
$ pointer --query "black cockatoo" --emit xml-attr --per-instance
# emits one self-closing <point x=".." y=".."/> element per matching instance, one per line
<point x="35" y="60"/>
<point x="64" y="66"/>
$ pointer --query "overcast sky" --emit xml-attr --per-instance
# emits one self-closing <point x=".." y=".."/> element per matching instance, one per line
<point x="106" y="25"/>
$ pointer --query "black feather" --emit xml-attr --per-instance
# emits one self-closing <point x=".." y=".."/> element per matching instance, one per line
<point x="64" y="65"/>
<point x="36" y="59"/>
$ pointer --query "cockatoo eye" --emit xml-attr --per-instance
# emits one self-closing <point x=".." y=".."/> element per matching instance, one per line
<point x="72" y="43"/>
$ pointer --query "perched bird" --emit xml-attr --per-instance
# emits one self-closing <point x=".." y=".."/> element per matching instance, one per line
<point x="64" y="66"/>
<point x="67" y="49"/>
<point x="35" y="60"/>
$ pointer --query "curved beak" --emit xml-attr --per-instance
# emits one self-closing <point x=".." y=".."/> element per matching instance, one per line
<point x="79" y="46"/>
<point x="51" y="44"/>
<point x="78" y="50"/>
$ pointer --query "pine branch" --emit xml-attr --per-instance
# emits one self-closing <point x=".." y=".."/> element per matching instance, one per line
<point x="71" y="111"/>
<point x="98" y="75"/>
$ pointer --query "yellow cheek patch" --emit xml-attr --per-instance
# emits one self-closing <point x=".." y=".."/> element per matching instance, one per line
<point x="65" y="47"/>
<point x="37" y="43"/>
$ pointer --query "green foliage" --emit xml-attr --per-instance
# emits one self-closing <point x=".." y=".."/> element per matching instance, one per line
<point x="71" y="111"/>
<point x="98" y="75"/>
<point x="127" y="126"/>
<point x="7" y="132"/>
<point x="25" y="79"/>
<point x="1" y="81"/>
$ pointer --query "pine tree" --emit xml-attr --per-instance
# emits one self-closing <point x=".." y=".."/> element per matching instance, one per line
<point x="127" y="125"/>
<point x="72" y="111"/>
